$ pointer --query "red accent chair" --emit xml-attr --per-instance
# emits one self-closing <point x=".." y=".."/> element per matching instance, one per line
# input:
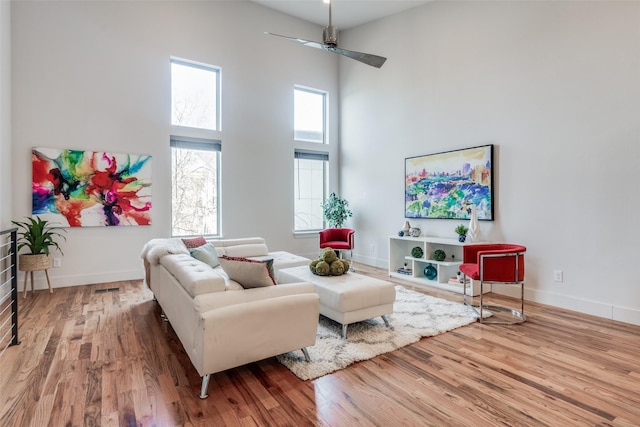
<point x="496" y="264"/>
<point x="338" y="239"/>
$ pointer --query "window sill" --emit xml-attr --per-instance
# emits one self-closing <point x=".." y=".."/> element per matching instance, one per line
<point x="305" y="234"/>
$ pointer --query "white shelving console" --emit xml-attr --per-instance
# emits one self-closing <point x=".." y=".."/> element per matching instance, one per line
<point x="400" y="257"/>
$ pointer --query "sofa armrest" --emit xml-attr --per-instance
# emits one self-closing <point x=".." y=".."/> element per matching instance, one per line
<point x="237" y="334"/>
<point x="147" y="272"/>
<point x="206" y="302"/>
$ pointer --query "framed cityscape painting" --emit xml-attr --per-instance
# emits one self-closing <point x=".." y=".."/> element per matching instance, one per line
<point x="446" y="185"/>
<point x="76" y="188"/>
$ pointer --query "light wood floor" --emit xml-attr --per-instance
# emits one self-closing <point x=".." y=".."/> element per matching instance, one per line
<point x="108" y="359"/>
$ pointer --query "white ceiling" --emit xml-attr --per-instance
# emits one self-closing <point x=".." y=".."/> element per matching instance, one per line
<point x="345" y="13"/>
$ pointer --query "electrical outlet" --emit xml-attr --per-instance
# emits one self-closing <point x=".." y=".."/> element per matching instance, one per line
<point x="57" y="262"/>
<point x="557" y="275"/>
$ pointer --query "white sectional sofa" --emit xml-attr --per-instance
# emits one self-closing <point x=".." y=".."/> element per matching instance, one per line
<point x="221" y="324"/>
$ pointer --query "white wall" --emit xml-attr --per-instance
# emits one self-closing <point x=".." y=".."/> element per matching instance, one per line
<point x="96" y="76"/>
<point x="554" y="85"/>
<point x="5" y="115"/>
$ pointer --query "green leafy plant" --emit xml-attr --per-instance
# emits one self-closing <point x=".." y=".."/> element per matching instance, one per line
<point x="461" y="230"/>
<point x="336" y="210"/>
<point x="38" y="235"/>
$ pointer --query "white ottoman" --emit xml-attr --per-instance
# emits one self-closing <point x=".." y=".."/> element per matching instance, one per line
<point x="282" y="259"/>
<point x="348" y="298"/>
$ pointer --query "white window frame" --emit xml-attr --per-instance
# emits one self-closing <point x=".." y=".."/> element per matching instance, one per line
<point x="218" y="83"/>
<point x="213" y="145"/>
<point x="325" y="125"/>
<point x="303" y="154"/>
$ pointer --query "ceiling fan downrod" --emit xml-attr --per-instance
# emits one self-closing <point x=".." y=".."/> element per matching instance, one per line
<point x="330" y="33"/>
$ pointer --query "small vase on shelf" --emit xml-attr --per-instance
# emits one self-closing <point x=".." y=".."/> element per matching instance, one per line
<point x="406" y="228"/>
<point x="474" y="227"/>
<point x="461" y="230"/>
<point x="430" y="272"/>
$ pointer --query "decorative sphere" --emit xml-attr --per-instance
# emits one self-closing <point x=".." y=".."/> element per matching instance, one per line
<point x="439" y="255"/>
<point x="401" y="233"/>
<point x="337" y="268"/>
<point x="328" y="255"/>
<point x="322" y="268"/>
<point x="417" y="252"/>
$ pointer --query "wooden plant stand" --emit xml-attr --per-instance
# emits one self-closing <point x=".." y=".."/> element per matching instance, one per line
<point x="30" y="263"/>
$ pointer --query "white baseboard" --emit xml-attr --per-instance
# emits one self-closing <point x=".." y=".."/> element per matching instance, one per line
<point x="40" y="280"/>
<point x="375" y="262"/>
<point x="568" y="302"/>
<point x="594" y="308"/>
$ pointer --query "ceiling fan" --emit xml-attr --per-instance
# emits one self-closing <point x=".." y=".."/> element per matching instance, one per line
<point x="330" y="43"/>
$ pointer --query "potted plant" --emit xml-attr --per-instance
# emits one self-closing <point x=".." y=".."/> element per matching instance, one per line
<point x="39" y="236"/>
<point x="336" y="210"/>
<point x="462" y="232"/>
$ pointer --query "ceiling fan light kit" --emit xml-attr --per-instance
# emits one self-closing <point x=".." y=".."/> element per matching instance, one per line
<point x="330" y="44"/>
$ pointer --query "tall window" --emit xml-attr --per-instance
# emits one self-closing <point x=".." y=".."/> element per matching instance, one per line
<point x="194" y="95"/>
<point x="311" y="167"/>
<point x="195" y="166"/>
<point x="195" y="162"/>
<point x="310" y="186"/>
<point x="309" y="115"/>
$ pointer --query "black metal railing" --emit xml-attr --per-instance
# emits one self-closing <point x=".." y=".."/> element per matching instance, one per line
<point x="8" y="289"/>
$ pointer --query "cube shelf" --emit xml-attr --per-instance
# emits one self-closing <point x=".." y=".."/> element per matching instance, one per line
<point x="446" y="271"/>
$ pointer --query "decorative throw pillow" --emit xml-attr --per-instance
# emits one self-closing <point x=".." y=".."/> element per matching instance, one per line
<point x="269" y="262"/>
<point x="248" y="273"/>
<point x="207" y="254"/>
<point x="194" y="242"/>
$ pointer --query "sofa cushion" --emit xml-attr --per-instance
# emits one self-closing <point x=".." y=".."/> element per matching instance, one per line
<point x="194" y="242"/>
<point x="195" y="276"/>
<point x="206" y="302"/>
<point x="248" y="273"/>
<point x="248" y="250"/>
<point x="241" y="241"/>
<point x="282" y="259"/>
<point x="207" y="254"/>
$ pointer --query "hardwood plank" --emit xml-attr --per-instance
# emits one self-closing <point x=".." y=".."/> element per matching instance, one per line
<point x="91" y="358"/>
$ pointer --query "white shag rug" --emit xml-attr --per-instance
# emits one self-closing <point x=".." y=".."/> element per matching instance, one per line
<point x="415" y="315"/>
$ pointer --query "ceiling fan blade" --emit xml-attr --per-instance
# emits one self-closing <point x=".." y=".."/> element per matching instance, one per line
<point x="302" y="41"/>
<point x="365" y="58"/>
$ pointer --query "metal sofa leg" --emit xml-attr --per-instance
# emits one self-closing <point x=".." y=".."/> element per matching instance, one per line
<point x="306" y="354"/>
<point x="344" y="331"/>
<point x="386" y="321"/>
<point x="205" y="386"/>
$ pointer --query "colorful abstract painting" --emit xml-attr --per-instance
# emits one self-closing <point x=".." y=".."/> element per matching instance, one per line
<point x="446" y="185"/>
<point x="78" y="188"/>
